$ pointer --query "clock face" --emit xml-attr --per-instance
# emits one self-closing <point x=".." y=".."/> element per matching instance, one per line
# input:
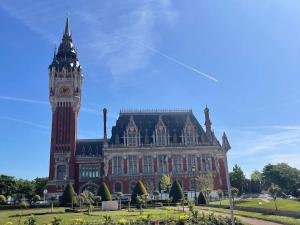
<point x="64" y="91"/>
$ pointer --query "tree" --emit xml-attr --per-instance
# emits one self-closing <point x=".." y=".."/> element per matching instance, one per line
<point x="139" y="189"/>
<point x="201" y="199"/>
<point x="8" y="185"/>
<point x="165" y="183"/>
<point x="283" y="175"/>
<point x="97" y="199"/>
<point x="206" y="184"/>
<point x="142" y="201"/>
<point x="2" y="199"/>
<point x="237" y="178"/>
<point x="176" y="192"/>
<point x="273" y="190"/>
<point x="104" y="192"/>
<point x="119" y="197"/>
<point x="220" y="195"/>
<point x="234" y="193"/>
<point x="25" y="188"/>
<point x="40" y="184"/>
<point x="53" y="198"/>
<point x="69" y="196"/>
<point x="156" y="195"/>
<point x="256" y="181"/>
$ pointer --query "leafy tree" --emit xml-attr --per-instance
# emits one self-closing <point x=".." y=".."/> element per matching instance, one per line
<point x="25" y="188"/>
<point x="273" y="190"/>
<point x="201" y="199"/>
<point x="283" y="175"/>
<point x="8" y="185"/>
<point x="206" y="184"/>
<point x="69" y="196"/>
<point x="220" y="195"/>
<point x="40" y="184"/>
<point x="165" y="183"/>
<point x="142" y="201"/>
<point x="97" y="199"/>
<point x="237" y="178"/>
<point x="256" y="181"/>
<point x="119" y="197"/>
<point x="2" y="199"/>
<point x="234" y="193"/>
<point x="104" y="192"/>
<point x="139" y="189"/>
<point x="176" y="192"/>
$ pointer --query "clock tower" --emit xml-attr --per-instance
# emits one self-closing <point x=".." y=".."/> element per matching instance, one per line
<point x="65" y="83"/>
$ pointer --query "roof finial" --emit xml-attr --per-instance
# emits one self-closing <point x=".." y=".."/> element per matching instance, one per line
<point x="67" y="28"/>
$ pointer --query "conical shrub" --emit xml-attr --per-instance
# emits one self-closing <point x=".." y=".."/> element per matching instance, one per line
<point x="201" y="199"/>
<point x="68" y="196"/>
<point x="104" y="192"/>
<point x="139" y="189"/>
<point x="176" y="192"/>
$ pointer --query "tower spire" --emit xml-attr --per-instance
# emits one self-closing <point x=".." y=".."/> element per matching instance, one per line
<point x="207" y="119"/>
<point x="67" y="28"/>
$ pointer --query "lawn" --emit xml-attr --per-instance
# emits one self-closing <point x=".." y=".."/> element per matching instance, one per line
<point x="96" y="216"/>
<point x="279" y="219"/>
<point x="282" y="204"/>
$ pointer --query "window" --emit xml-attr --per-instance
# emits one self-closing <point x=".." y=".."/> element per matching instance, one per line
<point x="189" y="137"/>
<point x="132" y="185"/>
<point x="193" y="184"/>
<point x="191" y="162"/>
<point x="161" y="133"/>
<point x="176" y="163"/>
<point x="147" y="164"/>
<point x="162" y="163"/>
<point x="60" y="172"/>
<point x="206" y="162"/>
<point x="117" y="165"/>
<point x="132" y="161"/>
<point x="89" y="171"/>
<point x="131" y="138"/>
<point x="118" y="187"/>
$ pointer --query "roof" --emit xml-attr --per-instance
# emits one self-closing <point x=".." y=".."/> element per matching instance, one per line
<point x="146" y="121"/>
<point x="89" y="147"/>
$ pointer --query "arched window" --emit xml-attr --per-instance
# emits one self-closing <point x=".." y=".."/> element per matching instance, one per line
<point x="132" y="185"/>
<point x="60" y="172"/>
<point x="189" y="132"/>
<point x="131" y="133"/>
<point x="118" y="187"/>
<point x="161" y="133"/>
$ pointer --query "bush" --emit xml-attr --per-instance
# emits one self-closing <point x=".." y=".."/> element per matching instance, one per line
<point x="36" y="198"/>
<point x="69" y="196"/>
<point x="104" y="192"/>
<point x="201" y="199"/>
<point x="176" y="192"/>
<point x="2" y="199"/>
<point x="23" y="205"/>
<point x="139" y="189"/>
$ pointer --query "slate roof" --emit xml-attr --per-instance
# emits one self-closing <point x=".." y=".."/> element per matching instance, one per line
<point x="89" y="147"/>
<point x="147" y="120"/>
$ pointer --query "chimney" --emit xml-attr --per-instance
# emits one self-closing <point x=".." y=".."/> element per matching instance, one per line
<point x="104" y="126"/>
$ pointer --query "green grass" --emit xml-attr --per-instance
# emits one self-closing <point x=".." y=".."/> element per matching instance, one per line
<point x="279" y="219"/>
<point x="282" y="204"/>
<point x="96" y="216"/>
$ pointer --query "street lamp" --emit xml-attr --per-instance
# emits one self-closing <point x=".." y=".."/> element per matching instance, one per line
<point x="194" y="182"/>
<point x="45" y="192"/>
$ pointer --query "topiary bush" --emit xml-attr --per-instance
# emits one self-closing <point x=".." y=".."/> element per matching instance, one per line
<point x="69" y="196"/>
<point x="104" y="192"/>
<point x="36" y="198"/>
<point x="201" y="199"/>
<point x="176" y="192"/>
<point x="2" y="199"/>
<point x="138" y="190"/>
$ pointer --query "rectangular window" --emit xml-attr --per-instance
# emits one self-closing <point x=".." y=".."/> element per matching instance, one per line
<point x="162" y="163"/>
<point x="189" y="138"/>
<point x="191" y="162"/>
<point x="205" y="162"/>
<point x="147" y="164"/>
<point x="176" y="163"/>
<point x="132" y="164"/>
<point x="132" y="139"/>
<point x="89" y="171"/>
<point x="117" y="165"/>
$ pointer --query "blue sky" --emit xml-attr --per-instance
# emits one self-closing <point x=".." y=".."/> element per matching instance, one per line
<point x="151" y="54"/>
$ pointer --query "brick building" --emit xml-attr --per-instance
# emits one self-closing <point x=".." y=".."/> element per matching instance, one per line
<point x="143" y="145"/>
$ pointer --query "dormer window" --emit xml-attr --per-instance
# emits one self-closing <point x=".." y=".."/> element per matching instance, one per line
<point x="131" y="134"/>
<point x="161" y="135"/>
<point x="189" y="132"/>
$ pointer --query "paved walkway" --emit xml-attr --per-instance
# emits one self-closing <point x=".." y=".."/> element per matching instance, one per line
<point x="247" y="220"/>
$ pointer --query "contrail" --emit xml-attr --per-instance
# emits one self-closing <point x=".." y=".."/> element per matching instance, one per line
<point x="181" y="63"/>
<point x="25" y="100"/>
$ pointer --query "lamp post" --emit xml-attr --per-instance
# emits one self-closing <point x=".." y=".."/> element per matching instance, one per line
<point x="45" y="192"/>
<point x="194" y="182"/>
